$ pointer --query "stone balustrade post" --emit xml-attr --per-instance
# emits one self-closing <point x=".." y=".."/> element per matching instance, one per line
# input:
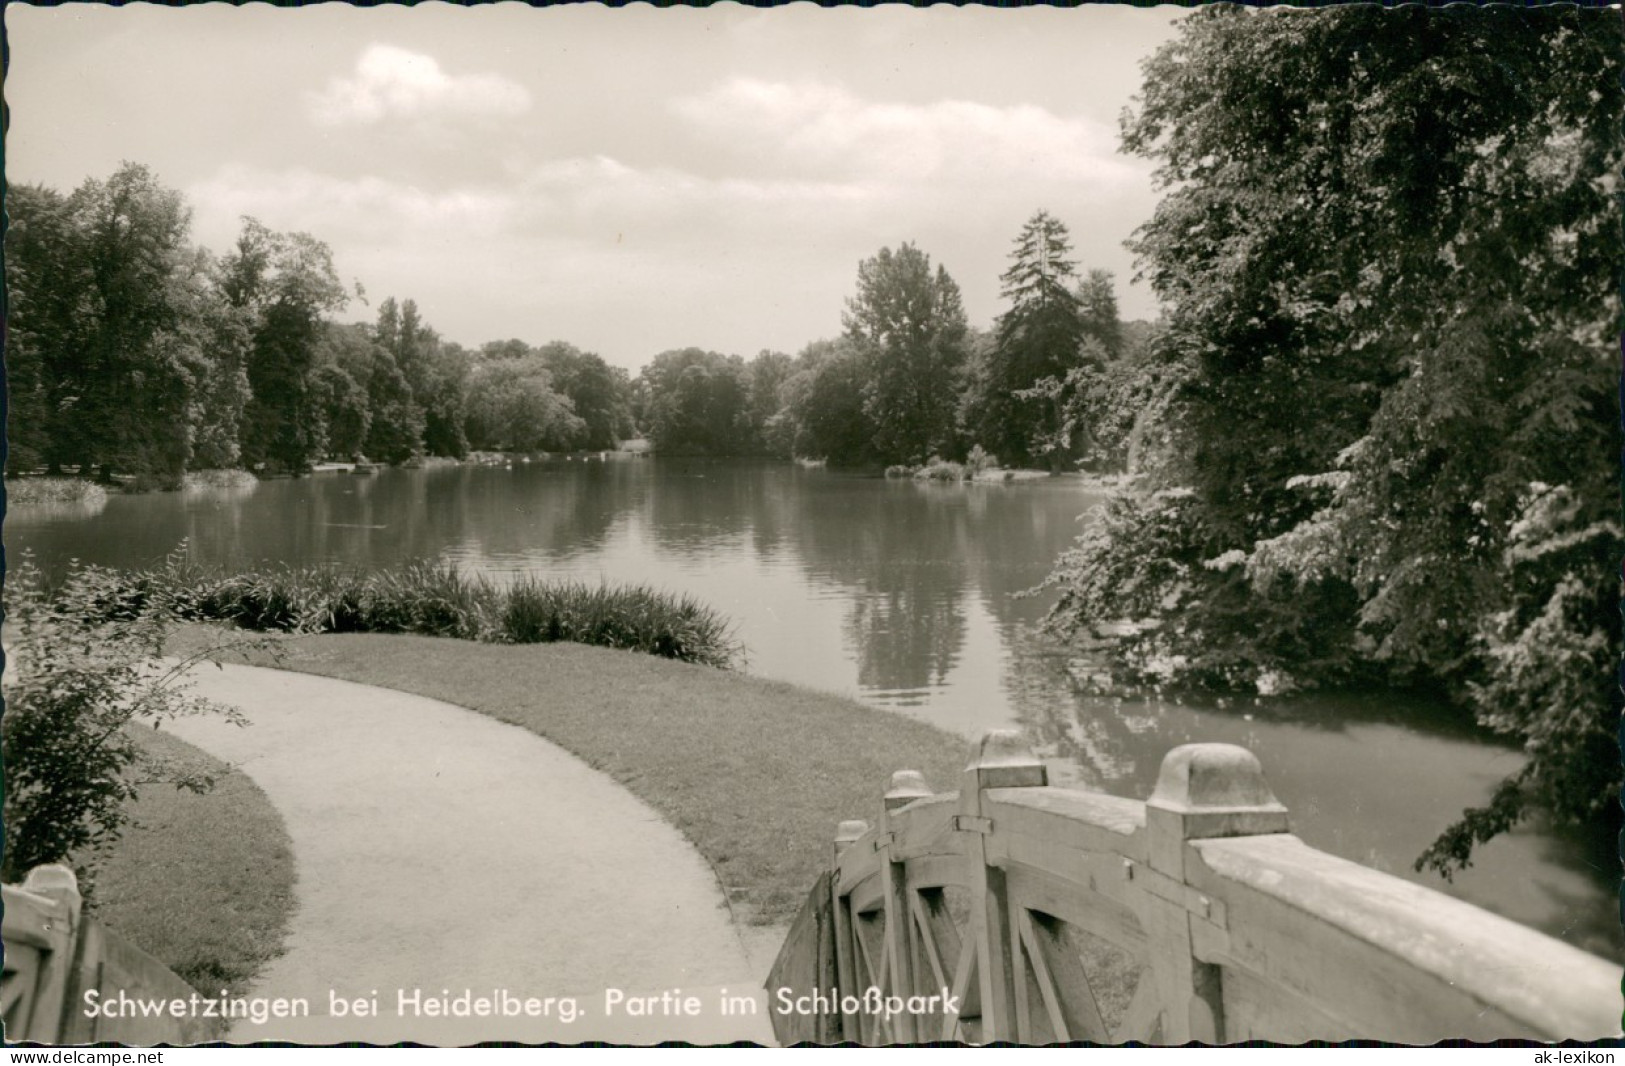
<point x="1203" y="791"/>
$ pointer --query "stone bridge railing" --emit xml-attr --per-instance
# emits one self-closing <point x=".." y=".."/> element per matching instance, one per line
<point x="55" y="954"/>
<point x="1046" y="914"/>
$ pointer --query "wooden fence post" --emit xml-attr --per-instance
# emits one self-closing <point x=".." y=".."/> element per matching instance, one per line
<point x="845" y="946"/>
<point x="1203" y="791"/>
<point x="906" y="787"/>
<point x="1000" y="759"/>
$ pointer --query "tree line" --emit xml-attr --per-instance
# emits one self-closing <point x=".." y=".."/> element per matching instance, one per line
<point x="130" y="351"/>
<point x="910" y="380"/>
<point x="133" y="352"/>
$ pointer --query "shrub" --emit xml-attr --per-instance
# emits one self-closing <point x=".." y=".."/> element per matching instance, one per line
<point x="151" y="481"/>
<point x="87" y="671"/>
<point x="980" y="459"/>
<point x="942" y="470"/>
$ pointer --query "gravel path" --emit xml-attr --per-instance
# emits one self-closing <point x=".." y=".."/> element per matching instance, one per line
<point x="445" y="859"/>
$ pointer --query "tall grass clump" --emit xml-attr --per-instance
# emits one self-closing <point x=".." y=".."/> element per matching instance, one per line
<point x="426" y="598"/>
<point x="633" y="617"/>
<point x="430" y="599"/>
<point x="942" y="470"/>
<point x="54" y="490"/>
<point x="204" y="480"/>
<point x="433" y="599"/>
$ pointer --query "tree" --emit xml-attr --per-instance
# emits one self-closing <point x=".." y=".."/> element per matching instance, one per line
<point x="394" y="383"/>
<point x="445" y="399"/>
<point x="767" y="374"/>
<point x="1092" y="410"/>
<point x="596" y="390"/>
<point x="824" y="414"/>
<point x="910" y="325"/>
<point x="132" y="408"/>
<point x="1097" y="313"/>
<point x="380" y="361"/>
<point x="286" y="283"/>
<point x="1124" y="406"/>
<point x="508" y="349"/>
<point x="698" y="403"/>
<point x="113" y="330"/>
<point x="346" y="415"/>
<point x="48" y="292"/>
<point x="1389" y="249"/>
<point x="340" y="385"/>
<point x="1037" y="340"/>
<point x="512" y="406"/>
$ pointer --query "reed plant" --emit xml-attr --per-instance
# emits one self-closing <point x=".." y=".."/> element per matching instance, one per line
<point x="634" y="617"/>
<point x="23" y="490"/>
<point x="431" y="599"/>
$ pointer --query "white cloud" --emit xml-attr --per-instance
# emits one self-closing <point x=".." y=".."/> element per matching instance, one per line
<point x="818" y="128"/>
<point x="394" y="83"/>
<point x="623" y="260"/>
<point x="592" y="199"/>
<point x="341" y="211"/>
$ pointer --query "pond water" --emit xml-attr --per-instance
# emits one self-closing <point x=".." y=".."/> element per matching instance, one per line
<point x="903" y="595"/>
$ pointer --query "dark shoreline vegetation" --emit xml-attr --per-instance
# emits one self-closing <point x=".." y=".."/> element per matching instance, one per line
<point x="432" y="600"/>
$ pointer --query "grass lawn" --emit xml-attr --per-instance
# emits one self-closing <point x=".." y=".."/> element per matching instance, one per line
<point x="755" y="773"/>
<point x="205" y="883"/>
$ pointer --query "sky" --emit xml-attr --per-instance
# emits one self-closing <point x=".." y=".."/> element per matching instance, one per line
<point x="629" y="180"/>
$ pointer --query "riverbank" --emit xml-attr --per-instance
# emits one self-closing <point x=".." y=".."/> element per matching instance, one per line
<point x="42" y="489"/>
<point x="429" y="599"/>
<point x="757" y="774"/>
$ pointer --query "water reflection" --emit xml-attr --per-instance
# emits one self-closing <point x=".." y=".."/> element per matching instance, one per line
<point x="59" y="510"/>
<point x="902" y="594"/>
<point x="234" y="490"/>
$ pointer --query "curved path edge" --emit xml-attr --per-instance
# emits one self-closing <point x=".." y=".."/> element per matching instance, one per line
<point x="462" y="880"/>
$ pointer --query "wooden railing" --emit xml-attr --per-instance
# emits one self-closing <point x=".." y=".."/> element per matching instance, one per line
<point x="55" y="954"/>
<point x="1038" y="914"/>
